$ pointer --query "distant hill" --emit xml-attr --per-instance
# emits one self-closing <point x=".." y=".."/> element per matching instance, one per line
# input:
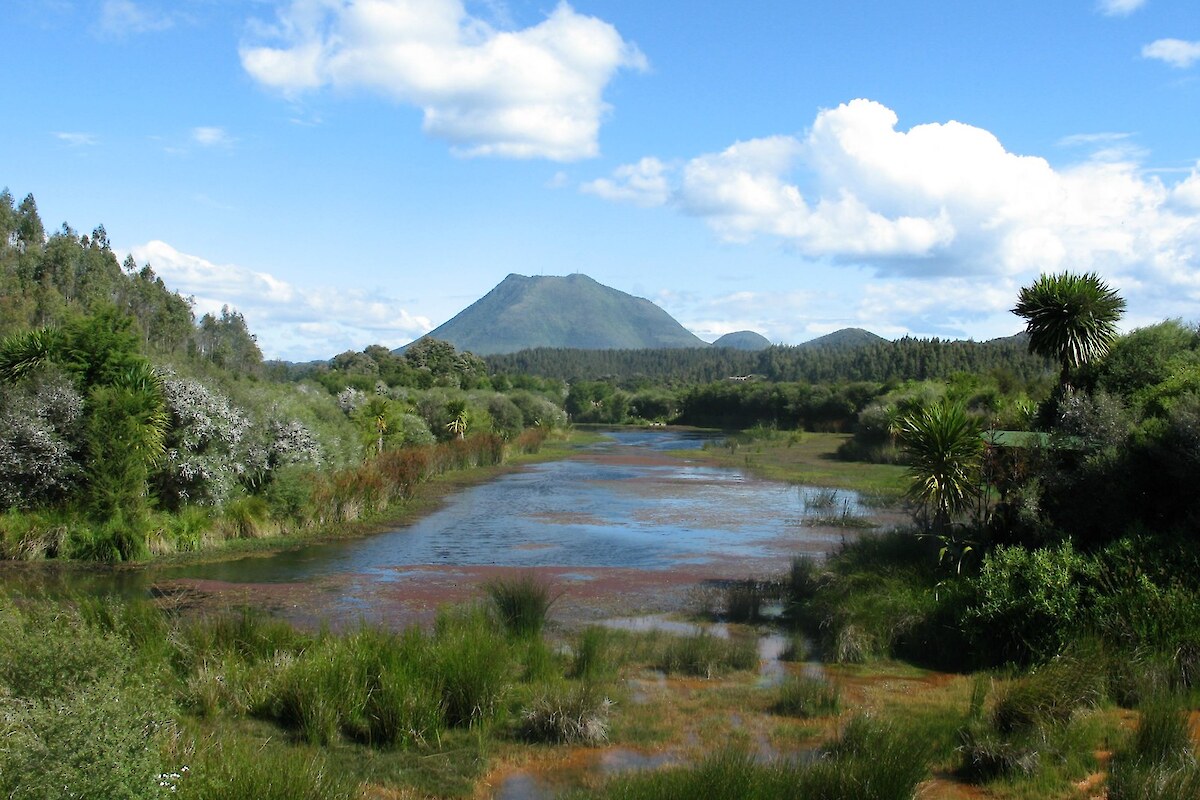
<point x="523" y="313"/>
<point x="845" y="338"/>
<point x="743" y="340"/>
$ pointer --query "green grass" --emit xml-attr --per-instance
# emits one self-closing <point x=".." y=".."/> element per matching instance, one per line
<point x="1159" y="761"/>
<point x="522" y="603"/>
<point x="706" y="656"/>
<point x="805" y="697"/>
<point x="810" y="459"/>
<point x="869" y="760"/>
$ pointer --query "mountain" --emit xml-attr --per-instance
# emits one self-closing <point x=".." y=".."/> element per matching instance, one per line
<point x="743" y="340"/>
<point x="572" y="311"/>
<point x="844" y="339"/>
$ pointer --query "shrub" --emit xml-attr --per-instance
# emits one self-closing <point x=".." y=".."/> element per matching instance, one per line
<point x="1029" y="603"/>
<point x="76" y="719"/>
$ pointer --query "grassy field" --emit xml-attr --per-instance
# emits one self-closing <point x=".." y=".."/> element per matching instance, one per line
<point x="802" y="457"/>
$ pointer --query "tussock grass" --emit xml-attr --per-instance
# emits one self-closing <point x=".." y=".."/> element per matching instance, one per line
<point x="473" y="662"/>
<point x="805" y="697"/>
<point x="567" y="714"/>
<point x="522" y="603"/>
<point x="706" y="656"/>
<point x="1159" y="761"/>
<point x="597" y="655"/>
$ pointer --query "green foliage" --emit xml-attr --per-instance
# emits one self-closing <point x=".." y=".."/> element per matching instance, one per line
<point x="236" y="769"/>
<point x="1070" y="318"/>
<point x="704" y="655"/>
<point x="870" y="760"/>
<point x="473" y="661"/>
<point x="878" y="362"/>
<point x="944" y="448"/>
<point x="1029" y="603"/>
<point x="805" y="697"/>
<point x="1159" y="762"/>
<point x="522" y="603"/>
<point x="75" y="718"/>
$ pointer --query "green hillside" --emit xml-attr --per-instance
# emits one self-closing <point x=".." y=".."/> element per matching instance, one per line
<point x="574" y="311"/>
<point x="743" y="340"/>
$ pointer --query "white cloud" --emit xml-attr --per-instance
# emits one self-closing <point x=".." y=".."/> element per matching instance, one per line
<point x="75" y="138"/>
<point x="1176" y="52"/>
<point x="1119" y="8"/>
<point x="290" y="322"/>
<point x="941" y="214"/>
<point x="529" y="93"/>
<point x="120" y="18"/>
<point x="644" y="184"/>
<point x="211" y="137"/>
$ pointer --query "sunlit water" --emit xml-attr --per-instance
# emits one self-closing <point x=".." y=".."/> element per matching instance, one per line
<point x="606" y="511"/>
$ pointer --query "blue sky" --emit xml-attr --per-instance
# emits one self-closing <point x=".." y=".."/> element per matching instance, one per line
<point x="349" y="172"/>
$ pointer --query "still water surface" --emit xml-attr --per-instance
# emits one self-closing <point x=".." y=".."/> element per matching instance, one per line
<point x="615" y="505"/>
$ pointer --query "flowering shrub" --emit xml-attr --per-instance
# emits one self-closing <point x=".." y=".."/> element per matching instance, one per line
<point x="203" y="447"/>
<point x="39" y="429"/>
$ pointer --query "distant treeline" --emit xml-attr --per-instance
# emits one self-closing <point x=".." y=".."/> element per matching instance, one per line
<point x="904" y="359"/>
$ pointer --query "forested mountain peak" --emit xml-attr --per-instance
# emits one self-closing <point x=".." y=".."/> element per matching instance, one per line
<point x="743" y="340"/>
<point x="846" y="337"/>
<point x="572" y="311"/>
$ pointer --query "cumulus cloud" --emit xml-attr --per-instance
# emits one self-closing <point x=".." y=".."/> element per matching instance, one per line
<point x="644" y="184"/>
<point x="1176" y="52"/>
<point x="1119" y="8"/>
<point x="922" y="208"/>
<point x="120" y="18"/>
<point x="529" y="93"/>
<point x="290" y="322"/>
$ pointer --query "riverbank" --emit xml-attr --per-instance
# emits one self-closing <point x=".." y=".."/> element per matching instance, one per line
<point x="802" y="457"/>
<point x="315" y="508"/>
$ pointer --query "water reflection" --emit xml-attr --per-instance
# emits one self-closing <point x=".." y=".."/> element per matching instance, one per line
<point x="606" y="510"/>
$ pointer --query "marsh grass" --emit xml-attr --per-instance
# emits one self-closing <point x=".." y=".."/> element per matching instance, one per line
<point x="870" y="760"/>
<point x="567" y="713"/>
<point x="522" y="603"/>
<point x="234" y="768"/>
<point x="474" y="664"/>
<point x="1159" y="761"/>
<point x="597" y="655"/>
<point x="805" y="697"/>
<point x="744" y="600"/>
<point x="1038" y="730"/>
<point x="706" y="656"/>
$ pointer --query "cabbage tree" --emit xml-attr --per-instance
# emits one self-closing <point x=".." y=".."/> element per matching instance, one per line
<point x="944" y="445"/>
<point x="1070" y="318"/>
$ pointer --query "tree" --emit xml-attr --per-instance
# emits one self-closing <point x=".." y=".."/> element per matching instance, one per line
<point x="945" y="448"/>
<point x="1070" y="318"/>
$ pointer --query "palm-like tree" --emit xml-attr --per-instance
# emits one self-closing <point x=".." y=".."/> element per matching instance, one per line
<point x="945" y="446"/>
<point x="1070" y="318"/>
